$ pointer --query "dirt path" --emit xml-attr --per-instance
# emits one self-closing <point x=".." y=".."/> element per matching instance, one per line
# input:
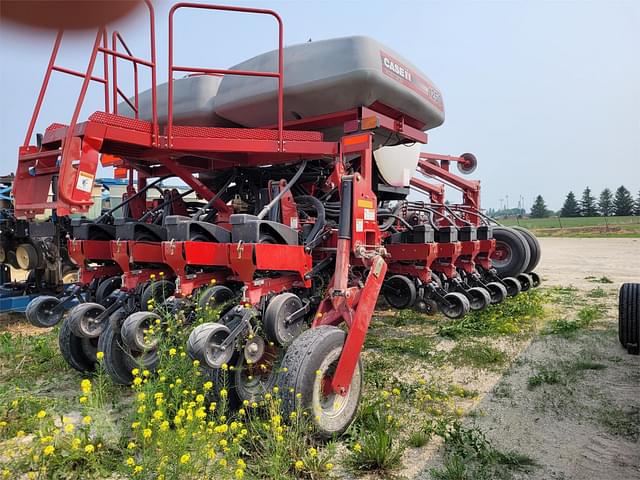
<point x="572" y="403"/>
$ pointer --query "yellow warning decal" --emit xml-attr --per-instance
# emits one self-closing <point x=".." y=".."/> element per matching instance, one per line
<point x="365" y="203"/>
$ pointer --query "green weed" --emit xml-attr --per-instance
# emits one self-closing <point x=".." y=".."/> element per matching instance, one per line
<point x="477" y="355"/>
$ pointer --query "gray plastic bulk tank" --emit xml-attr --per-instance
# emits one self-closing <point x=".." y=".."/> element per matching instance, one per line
<point x="193" y="102"/>
<point x="330" y="76"/>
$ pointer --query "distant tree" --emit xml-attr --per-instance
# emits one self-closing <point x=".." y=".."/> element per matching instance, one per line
<point x="570" y="207"/>
<point x="539" y="208"/>
<point x="588" y="204"/>
<point x="637" y="209"/>
<point x="605" y="203"/>
<point x="623" y="202"/>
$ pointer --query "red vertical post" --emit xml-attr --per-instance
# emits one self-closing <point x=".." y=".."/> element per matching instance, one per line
<point x="105" y="71"/>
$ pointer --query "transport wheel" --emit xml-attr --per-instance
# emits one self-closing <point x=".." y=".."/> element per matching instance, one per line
<point x="277" y="326"/>
<point x="535" y="279"/>
<point x="158" y="291"/>
<point x="83" y="320"/>
<point x="308" y="367"/>
<point x="513" y="286"/>
<point x="40" y="311"/>
<point x="205" y="345"/>
<point x="119" y="360"/>
<point x="399" y="292"/>
<point x="106" y="288"/>
<point x="78" y="352"/>
<point x="27" y="256"/>
<point x="512" y="254"/>
<point x="480" y="298"/>
<point x="534" y="247"/>
<point x="134" y="328"/>
<point x="456" y="305"/>
<point x="525" y="282"/>
<point x="497" y="291"/>
<point x="629" y="317"/>
<point x="215" y="296"/>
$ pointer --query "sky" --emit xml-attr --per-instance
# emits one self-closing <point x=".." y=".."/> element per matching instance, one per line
<point x="546" y="94"/>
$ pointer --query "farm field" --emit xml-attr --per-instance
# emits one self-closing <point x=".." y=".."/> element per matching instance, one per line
<point x="580" y="226"/>
<point x="537" y="388"/>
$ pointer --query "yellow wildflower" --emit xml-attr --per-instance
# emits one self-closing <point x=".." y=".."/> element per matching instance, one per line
<point x="239" y="473"/>
<point x="48" y="450"/>
<point x="86" y="420"/>
<point x="89" y="448"/>
<point x="185" y="458"/>
<point x="299" y="465"/>
<point x="146" y="433"/>
<point x="100" y="355"/>
<point x="41" y="414"/>
<point x="172" y="352"/>
<point x="68" y="428"/>
<point x="83" y="399"/>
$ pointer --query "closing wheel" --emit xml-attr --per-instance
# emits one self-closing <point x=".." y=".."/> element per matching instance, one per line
<point x="512" y="254"/>
<point x="205" y="344"/>
<point x="480" y="298"/>
<point x="399" y="292"/>
<point x="119" y="360"/>
<point x="456" y="305"/>
<point x="41" y="311"/>
<point x="84" y="321"/>
<point x="106" y="288"/>
<point x="158" y="292"/>
<point x="629" y="317"/>
<point x="525" y="282"/>
<point x="308" y="368"/>
<point x="534" y="247"/>
<point x="27" y="256"/>
<point x="213" y="297"/>
<point x="426" y="306"/>
<point x="135" y="331"/>
<point x="513" y="286"/>
<point x="535" y="279"/>
<point x="78" y="352"/>
<point x="497" y="291"/>
<point x="277" y="324"/>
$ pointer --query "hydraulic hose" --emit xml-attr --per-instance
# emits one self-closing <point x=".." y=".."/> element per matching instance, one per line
<point x="320" y="218"/>
<point x="125" y="202"/>
<point x="287" y="187"/>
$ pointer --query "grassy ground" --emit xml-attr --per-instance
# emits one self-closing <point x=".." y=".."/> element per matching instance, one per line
<point x="422" y="376"/>
<point x="580" y="226"/>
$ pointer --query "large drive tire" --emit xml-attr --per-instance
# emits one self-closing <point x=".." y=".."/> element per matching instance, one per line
<point x="79" y="353"/>
<point x="629" y="317"/>
<point x="40" y="312"/>
<point x="512" y="254"/>
<point x="307" y="365"/>
<point x="534" y="247"/>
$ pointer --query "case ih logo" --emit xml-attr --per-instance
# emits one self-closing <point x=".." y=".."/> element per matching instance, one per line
<point x="416" y="82"/>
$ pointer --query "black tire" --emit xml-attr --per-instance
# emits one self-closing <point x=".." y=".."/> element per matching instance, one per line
<point x="27" y="256"/>
<point x="40" y="312"/>
<point x="319" y="349"/>
<point x="202" y="341"/>
<point x="427" y="306"/>
<point x="480" y="298"/>
<point x="456" y="305"/>
<point x="535" y="279"/>
<point x="158" y="291"/>
<point x="399" y="292"/>
<point x="215" y="296"/>
<point x="526" y="282"/>
<point x="497" y="291"/>
<point x="275" y="315"/>
<point x="513" y="286"/>
<point x="629" y="317"/>
<point x="119" y="360"/>
<point x="106" y="288"/>
<point x="512" y="254"/>
<point x="78" y="352"/>
<point x="534" y="247"/>
<point x="81" y="319"/>
<point x="132" y="331"/>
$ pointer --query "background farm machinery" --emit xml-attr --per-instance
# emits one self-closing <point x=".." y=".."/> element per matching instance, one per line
<point x="302" y="220"/>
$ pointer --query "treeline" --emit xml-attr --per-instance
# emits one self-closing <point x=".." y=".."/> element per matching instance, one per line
<point x="620" y="204"/>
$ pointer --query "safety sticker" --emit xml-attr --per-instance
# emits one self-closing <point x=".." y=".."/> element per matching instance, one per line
<point x="85" y="182"/>
<point x="369" y="214"/>
<point x="359" y="225"/>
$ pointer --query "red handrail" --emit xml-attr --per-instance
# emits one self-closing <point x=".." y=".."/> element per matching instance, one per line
<point x="173" y="68"/>
<point x="88" y="77"/>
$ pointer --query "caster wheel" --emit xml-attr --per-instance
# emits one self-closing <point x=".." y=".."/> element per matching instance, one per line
<point x="85" y="322"/>
<point x="41" y="312"/>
